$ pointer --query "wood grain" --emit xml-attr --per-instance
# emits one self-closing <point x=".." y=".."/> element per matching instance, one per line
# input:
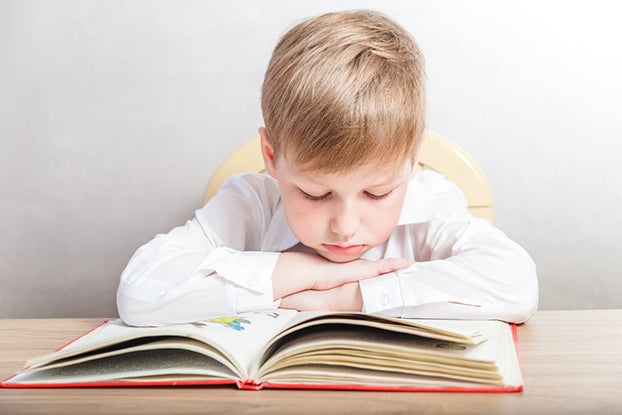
<point x="571" y="360"/>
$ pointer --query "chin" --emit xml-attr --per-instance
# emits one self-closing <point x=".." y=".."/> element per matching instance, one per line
<point x="340" y="259"/>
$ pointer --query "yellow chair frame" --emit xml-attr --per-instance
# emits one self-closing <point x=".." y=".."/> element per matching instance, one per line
<point x="437" y="153"/>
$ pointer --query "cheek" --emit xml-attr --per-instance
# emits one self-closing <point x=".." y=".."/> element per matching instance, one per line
<point x="382" y="225"/>
<point x="382" y="221"/>
<point x="304" y="219"/>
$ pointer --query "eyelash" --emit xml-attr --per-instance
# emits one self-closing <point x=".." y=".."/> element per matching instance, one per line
<point x="377" y="197"/>
<point x="326" y="195"/>
<point x="314" y="198"/>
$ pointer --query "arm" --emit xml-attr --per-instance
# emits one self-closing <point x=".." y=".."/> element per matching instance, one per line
<point x="485" y="276"/>
<point x="466" y="269"/>
<point x="212" y="265"/>
<point x="295" y="272"/>
<point x="181" y="277"/>
<point x="346" y="297"/>
<point x="310" y="282"/>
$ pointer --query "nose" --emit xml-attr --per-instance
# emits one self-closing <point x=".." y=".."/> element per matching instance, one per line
<point x="345" y="221"/>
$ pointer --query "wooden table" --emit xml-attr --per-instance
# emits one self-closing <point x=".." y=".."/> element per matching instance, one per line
<point x="572" y="363"/>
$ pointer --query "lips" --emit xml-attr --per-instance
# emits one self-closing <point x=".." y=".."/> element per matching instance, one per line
<point x="345" y="250"/>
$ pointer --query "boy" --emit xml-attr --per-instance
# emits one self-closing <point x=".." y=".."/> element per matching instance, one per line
<point x="342" y="221"/>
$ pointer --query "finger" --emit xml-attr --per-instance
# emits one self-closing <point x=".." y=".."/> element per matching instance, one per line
<point x="394" y="264"/>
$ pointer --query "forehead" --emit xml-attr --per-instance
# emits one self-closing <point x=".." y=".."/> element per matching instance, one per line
<point x="370" y="174"/>
<point x="347" y="157"/>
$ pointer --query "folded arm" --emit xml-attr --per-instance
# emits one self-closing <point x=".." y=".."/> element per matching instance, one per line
<point x="478" y="273"/>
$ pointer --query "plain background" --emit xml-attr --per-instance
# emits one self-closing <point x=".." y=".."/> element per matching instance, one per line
<point x="113" y="114"/>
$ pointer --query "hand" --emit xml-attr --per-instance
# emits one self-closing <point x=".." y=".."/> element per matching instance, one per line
<point x="344" y="298"/>
<point x="337" y="274"/>
<point x="296" y="272"/>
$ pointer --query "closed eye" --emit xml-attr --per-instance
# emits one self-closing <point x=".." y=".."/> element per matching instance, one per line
<point x="313" y="197"/>
<point x="377" y="197"/>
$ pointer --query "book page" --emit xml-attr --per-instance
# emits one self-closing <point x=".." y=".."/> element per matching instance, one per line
<point x="134" y="366"/>
<point x="237" y="339"/>
<point x="460" y="331"/>
<point x="335" y="352"/>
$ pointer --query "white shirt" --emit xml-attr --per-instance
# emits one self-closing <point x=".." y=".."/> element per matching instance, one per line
<point x="221" y="262"/>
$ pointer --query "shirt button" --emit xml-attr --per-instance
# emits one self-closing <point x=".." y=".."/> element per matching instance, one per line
<point x="384" y="298"/>
<point x="251" y="281"/>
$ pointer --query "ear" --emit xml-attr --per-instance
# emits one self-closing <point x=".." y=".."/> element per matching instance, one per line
<point x="267" y="152"/>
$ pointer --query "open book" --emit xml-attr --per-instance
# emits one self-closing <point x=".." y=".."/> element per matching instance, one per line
<point x="289" y="349"/>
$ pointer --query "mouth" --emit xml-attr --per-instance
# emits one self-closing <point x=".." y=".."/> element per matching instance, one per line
<point x="344" y="250"/>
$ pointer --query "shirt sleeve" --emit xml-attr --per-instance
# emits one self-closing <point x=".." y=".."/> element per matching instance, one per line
<point x="198" y="270"/>
<point x="466" y="269"/>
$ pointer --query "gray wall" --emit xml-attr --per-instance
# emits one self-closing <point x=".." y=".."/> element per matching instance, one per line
<point x="113" y="114"/>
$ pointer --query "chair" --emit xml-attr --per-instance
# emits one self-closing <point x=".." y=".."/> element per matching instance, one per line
<point x="437" y="153"/>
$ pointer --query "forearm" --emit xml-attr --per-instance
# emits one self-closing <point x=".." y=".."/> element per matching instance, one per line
<point x="500" y="284"/>
<point x="344" y="298"/>
<point x="172" y="280"/>
<point x="207" y="298"/>
<point x="296" y="272"/>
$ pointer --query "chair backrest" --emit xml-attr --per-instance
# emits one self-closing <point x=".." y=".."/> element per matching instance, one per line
<point x="437" y="153"/>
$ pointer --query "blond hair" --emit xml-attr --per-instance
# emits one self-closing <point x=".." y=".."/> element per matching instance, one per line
<point x="345" y="89"/>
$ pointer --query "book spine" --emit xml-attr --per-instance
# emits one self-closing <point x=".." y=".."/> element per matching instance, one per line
<point x="249" y="384"/>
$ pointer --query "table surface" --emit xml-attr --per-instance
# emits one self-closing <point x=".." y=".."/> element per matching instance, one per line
<point x="571" y="361"/>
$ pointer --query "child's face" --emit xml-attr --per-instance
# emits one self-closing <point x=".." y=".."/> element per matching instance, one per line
<point x="342" y="216"/>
